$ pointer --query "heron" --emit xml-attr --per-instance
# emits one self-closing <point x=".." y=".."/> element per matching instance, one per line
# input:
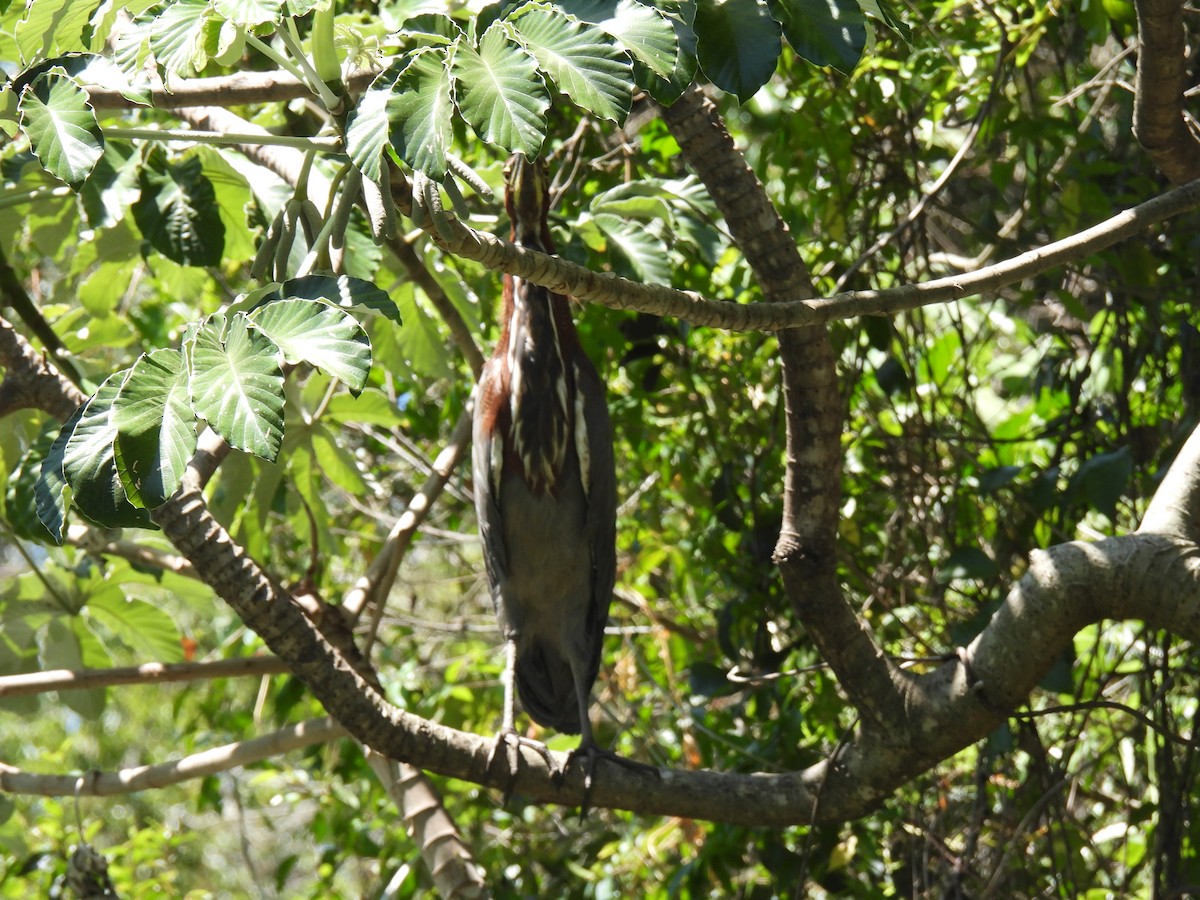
<point x="545" y="491"/>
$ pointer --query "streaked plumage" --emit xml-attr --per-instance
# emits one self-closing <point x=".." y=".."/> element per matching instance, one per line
<point x="545" y="489"/>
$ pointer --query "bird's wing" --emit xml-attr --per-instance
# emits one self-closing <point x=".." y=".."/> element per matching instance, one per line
<point x="487" y="508"/>
<point x="601" y="487"/>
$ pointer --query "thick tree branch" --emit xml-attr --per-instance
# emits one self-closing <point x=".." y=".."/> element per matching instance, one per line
<point x="1158" y="117"/>
<point x="813" y="411"/>
<point x="451" y="864"/>
<point x="29" y="383"/>
<point x="1175" y="507"/>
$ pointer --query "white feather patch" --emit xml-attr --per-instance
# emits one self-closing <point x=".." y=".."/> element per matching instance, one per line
<point x="581" y="438"/>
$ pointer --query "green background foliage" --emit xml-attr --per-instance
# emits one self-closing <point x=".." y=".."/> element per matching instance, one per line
<point x="975" y="432"/>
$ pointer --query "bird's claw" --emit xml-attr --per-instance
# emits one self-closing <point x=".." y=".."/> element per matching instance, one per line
<point x="594" y="752"/>
<point x="512" y="742"/>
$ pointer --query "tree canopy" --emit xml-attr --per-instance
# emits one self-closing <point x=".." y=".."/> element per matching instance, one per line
<point x="894" y="304"/>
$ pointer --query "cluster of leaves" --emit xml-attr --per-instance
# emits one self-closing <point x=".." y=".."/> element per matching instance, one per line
<point x="125" y="450"/>
<point x="493" y="69"/>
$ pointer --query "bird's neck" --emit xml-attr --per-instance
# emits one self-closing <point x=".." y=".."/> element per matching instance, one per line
<point x="536" y="345"/>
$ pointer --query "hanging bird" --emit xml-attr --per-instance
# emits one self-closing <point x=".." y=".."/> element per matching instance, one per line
<point x="545" y="490"/>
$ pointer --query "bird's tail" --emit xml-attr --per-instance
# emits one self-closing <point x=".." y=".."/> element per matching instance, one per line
<point x="546" y="688"/>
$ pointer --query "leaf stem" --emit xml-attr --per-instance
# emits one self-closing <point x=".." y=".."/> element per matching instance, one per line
<point x="291" y="39"/>
<point x="17" y="198"/>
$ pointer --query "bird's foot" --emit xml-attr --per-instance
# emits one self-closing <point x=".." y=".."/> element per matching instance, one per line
<point x="594" y="752"/>
<point x="512" y="742"/>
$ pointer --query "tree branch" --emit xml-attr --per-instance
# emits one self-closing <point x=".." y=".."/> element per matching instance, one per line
<point x="451" y="864"/>
<point x="147" y="673"/>
<point x="29" y="383"/>
<point x="238" y="89"/>
<point x="1158" y="118"/>
<point x="1175" y="507"/>
<point x="197" y="765"/>
<point x="806" y="550"/>
<point x="615" y="292"/>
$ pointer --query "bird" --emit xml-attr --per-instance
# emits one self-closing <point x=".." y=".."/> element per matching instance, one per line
<point x="545" y="492"/>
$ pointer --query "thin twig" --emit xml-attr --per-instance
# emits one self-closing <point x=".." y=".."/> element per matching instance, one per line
<point x="195" y="765"/>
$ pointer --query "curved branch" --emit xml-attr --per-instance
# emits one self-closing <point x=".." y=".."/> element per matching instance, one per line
<point x="1066" y="588"/>
<point x="616" y="292"/>
<point x="1175" y="507"/>
<point x="1158" y="117"/>
<point x="197" y="765"/>
<point x="806" y="549"/>
<point x="451" y="865"/>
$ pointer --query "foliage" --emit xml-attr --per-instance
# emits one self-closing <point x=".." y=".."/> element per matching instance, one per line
<point x="189" y="286"/>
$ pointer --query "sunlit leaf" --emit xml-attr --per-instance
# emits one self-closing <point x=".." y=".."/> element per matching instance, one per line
<point x="642" y="30"/>
<point x="139" y="625"/>
<point x="237" y="384"/>
<point x="825" y="32"/>
<point x="320" y="335"/>
<point x="52" y="25"/>
<point x="340" y="290"/>
<point x="581" y="59"/>
<point x="250" y="12"/>
<point x="156" y="427"/>
<point x="500" y="92"/>
<point x="419" y="111"/>
<point x="89" y="465"/>
<point x="177" y="36"/>
<point x="61" y="126"/>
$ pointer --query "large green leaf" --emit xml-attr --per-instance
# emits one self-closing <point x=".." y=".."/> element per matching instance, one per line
<point x="156" y="427"/>
<point x="49" y="25"/>
<point x="20" y="501"/>
<point x="50" y="492"/>
<point x="500" y="92"/>
<point x="61" y="648"/>
<point x="367" y="131"/>
<point x="61" y="126"/>
<point x="336" y="461"/>
<point x="642" y="30"/>
<point x="89" y="465"/>
<point x="419" y="109"/>
<point x="581" y="59"/>
<point x="177" y="36"/>
<point x="237" y="384"/>
<point x="341" y="290"/>
<point x="178" y="213"/>
<point x="233" y="195"/>
<point x="738" y="44"/>
<point x="825" y="32"/>
<point x="139" y="625"/>
<point x="316" y="333"/>
<point x="643" y="250"/>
